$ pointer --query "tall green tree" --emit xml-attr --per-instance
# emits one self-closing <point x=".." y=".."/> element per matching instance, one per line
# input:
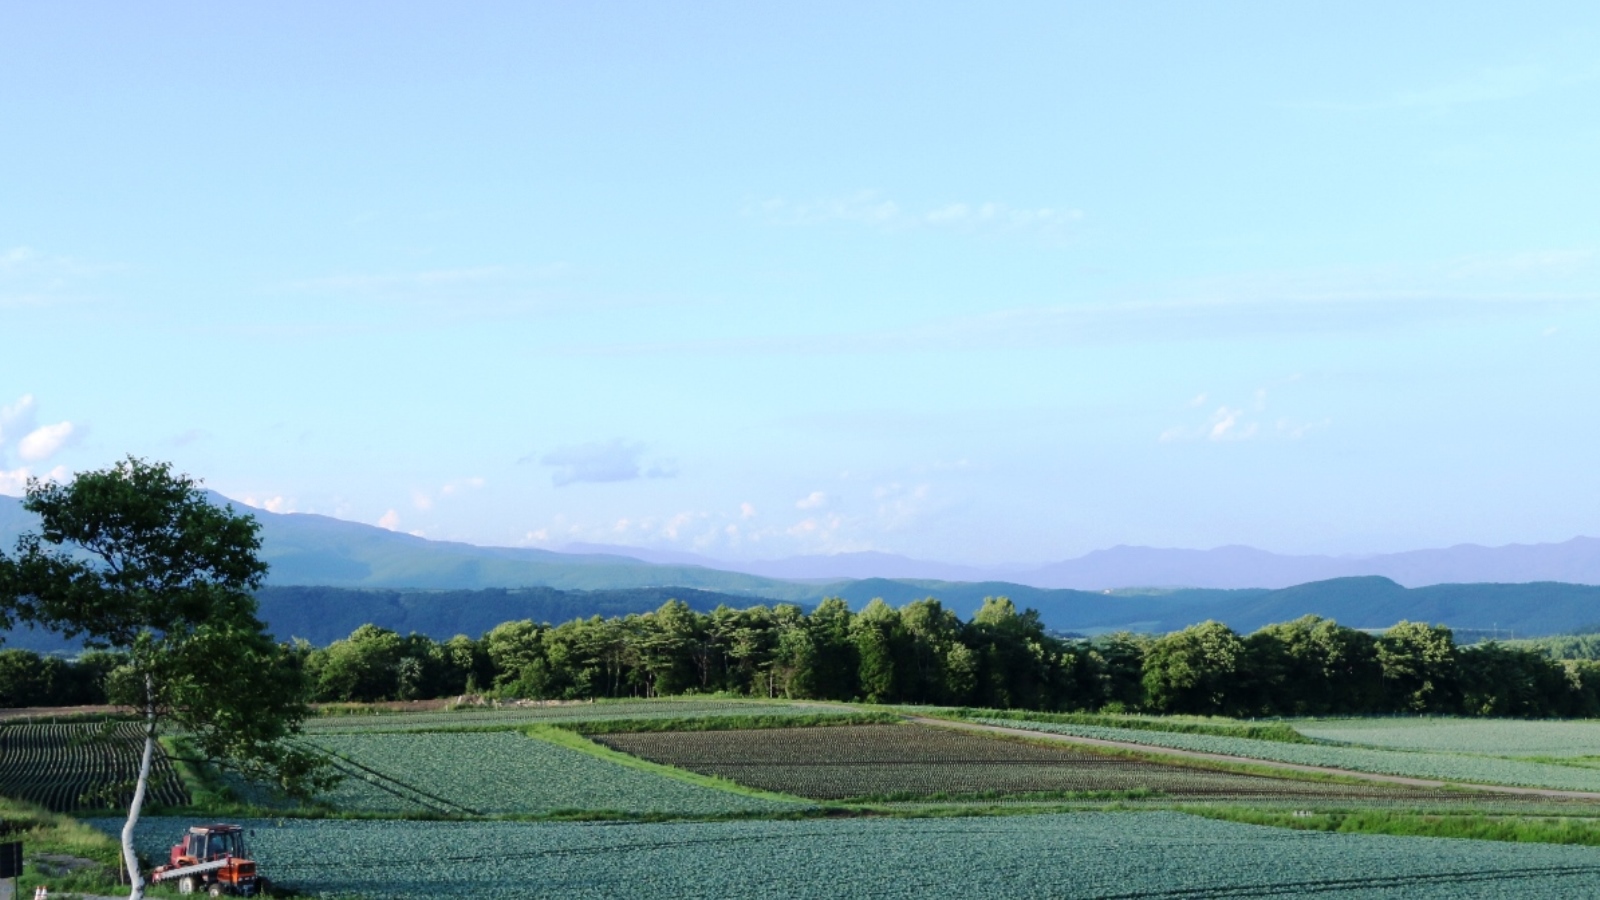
<point x="1198" y="670"/>
<point x="877" y="636"/>
<point x="1419" y="667"/>
<point x="135" y="558"/>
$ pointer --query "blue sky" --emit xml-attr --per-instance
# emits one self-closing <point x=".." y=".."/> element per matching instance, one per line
<point x="965" y="283"/>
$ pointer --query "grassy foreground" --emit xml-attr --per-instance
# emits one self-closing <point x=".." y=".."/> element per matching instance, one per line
<point x="75" y="857"/>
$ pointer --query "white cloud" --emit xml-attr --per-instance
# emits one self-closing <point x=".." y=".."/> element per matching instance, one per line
<point x="872" y="209"/>
<point x="673" y="526"/>
<point x="43" y="443"/>
<point x="1238" y="423"/>
<point x="747" y="511"/>
<point x="35" y="443"/>
<point x="1224" y="425"/>
<point x="275" y="504"/>
<point x="15" y="482"/>
<point x="18" y="418"/>
<point x="813" y="500"/>
<point x="461" y="484"/>
<point x="390" y="520"/>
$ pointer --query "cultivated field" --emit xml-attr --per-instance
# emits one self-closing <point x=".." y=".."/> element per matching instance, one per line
<point x="1487" y="737"/>
<point x="501" y="772"/>
<point x="1437" y="765"/>
<point x="1111" y="856"/>
<point x="723" y="798"/>
<point x="512" y="717"/>
<point x="869" y="762"/>
<point x="81" y="765"/>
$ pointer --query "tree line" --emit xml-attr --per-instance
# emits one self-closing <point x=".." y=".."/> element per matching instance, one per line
<point x="920" y="653"/>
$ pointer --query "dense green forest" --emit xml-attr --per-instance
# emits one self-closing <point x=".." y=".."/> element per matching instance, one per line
<point x="919" y="653"/>
<point x="1562" y="646"/>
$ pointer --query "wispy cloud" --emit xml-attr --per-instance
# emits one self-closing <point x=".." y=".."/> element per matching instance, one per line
<point x="453" y="293"/>
<point x="870" y="208"/>
<point x="1240" y="423"/>
<point x="405" y="281"/>
<point x="604" y="461"/>
<point x="30" y="277"/>
<point x="1196" y="318"/>
<point x="1491" y="84"/>
<point x="425" y="498"/>
<point x="813" y="500"/>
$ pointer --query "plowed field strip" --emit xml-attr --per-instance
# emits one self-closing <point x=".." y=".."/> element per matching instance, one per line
<point x="1150" y="749"/>
<point x="907" y="761"/>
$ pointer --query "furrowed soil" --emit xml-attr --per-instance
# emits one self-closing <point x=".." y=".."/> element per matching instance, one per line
<point x="903" y="761"/>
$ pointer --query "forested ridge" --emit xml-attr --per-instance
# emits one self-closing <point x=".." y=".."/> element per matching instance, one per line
<point x="919" y="653"/>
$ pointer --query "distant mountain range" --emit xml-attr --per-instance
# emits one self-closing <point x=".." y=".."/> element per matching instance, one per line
<point x="359" y="573"/>
<point x="312" y="549"/>
<point x="1576" y="561"/>
<point x="1476" y="611"/>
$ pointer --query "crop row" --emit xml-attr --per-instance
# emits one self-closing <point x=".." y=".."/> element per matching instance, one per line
<point x="512" y="717"/>
<point x="83" y="765"/>
<point x="1414" y="764"/>
<point x="1080" y="855"/>
<point x="1490" y="737"/>
<point x="913" y="760"/>
<point x="506" y="772"/>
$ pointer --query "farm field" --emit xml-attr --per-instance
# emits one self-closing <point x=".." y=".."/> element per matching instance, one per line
<point x="1105" y="855"/>
<point x="910" y="761"/>
<point x="1443" y="766"/>
<point x="501" y="772"/>
<point x="77" y="766"/>
<point x="1488" y="737"/>
<point x="514" y="717"/>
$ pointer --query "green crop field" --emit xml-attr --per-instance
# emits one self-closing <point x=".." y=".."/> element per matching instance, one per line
<point x="514" y="717"/>
<point x="81" y="765"/>
<point x="1111" y="856"/>
<point x="1489" y="737"/>
<point x="498" y="772"/>
<point x="905" y="761"/>
<point x="1456" y="767"/>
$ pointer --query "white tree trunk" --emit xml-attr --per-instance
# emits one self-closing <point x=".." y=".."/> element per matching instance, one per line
<point x="128" y="857"/>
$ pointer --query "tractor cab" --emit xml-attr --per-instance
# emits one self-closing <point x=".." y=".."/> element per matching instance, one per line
<point x="213" y="859"/>
<point x="204" y="843"/>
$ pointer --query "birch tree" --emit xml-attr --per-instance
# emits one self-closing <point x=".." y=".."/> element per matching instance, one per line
<point x="136" y="559"/>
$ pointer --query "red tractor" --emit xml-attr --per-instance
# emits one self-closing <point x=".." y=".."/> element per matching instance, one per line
<point x="211" y="858"/>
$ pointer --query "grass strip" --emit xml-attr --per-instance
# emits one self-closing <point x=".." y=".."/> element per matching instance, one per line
<point x="728" y="723"/>
<point x="571" y="740"/>
<point x="57" y="840"/>
<point x="1472" y="825"/>
<point x="1268" y="731"/>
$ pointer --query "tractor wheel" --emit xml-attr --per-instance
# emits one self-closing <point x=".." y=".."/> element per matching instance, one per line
<point x="217" y="890"/>
<point x="187" y="884"/>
